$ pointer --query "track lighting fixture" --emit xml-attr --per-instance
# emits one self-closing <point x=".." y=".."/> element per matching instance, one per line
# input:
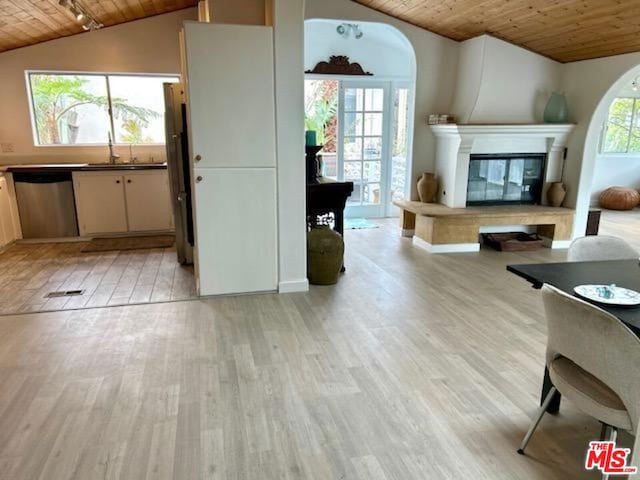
<point x="81" y="14"/>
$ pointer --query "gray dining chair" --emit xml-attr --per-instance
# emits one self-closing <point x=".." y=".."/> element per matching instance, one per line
<point x="593" y="361"/>
<point x="600" y="247"/>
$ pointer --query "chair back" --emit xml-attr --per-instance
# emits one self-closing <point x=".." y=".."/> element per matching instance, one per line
<point x="597" y="342"/>
<point x="600" y="247"/>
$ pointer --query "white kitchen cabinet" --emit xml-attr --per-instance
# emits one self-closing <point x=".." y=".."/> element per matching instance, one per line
<point x="7" y="230"/>
<point x="231" y="95"/>
<point x="148" y="201"/>
<point x="100" y="202"/>
<point x="236" y="249"/>
<point x="231" y="108"/>
<point x="122" y="201"/>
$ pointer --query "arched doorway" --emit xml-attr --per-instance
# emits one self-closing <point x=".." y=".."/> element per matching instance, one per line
<point x="363" y="121"/>
<point x="591" y="145"/>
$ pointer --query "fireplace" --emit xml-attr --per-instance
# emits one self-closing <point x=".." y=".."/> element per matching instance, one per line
<point x="500" y="179"/>
<point x="456" y="144"/>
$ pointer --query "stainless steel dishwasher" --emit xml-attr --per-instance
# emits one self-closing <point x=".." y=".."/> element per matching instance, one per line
<point x="46" y="204"/>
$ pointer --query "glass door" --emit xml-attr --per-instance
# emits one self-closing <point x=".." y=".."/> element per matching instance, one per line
<point x="401" y="140"/>
<point x="363" y="147"/>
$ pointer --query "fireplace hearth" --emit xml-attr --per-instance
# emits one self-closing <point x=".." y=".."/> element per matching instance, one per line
<point x="502" y="179"/>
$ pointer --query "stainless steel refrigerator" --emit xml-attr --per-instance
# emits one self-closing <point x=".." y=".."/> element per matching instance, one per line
<point x="179" y="170"/>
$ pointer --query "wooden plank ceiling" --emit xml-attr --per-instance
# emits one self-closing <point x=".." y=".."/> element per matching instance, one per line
<point x="565" y="30"/>
<point x="26" y="22"/>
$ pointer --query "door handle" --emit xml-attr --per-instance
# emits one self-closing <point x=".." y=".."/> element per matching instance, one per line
<point x="197" y="158"/>
<point x="199" y="179"/>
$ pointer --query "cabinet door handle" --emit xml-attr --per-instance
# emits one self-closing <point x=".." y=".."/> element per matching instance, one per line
<point x="128" y="181"/>
<point x="199" y="179"/>
<point x="117" y="181"/>
<point x="198" y="158"/>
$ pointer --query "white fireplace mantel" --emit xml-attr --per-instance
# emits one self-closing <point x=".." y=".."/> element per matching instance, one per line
<point x="456" y="143"/>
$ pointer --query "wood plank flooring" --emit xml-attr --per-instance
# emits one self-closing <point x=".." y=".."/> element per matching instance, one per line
<point x="622" y="224"/>
<point x="28" y="272"/>
<point x="414" y="366"/>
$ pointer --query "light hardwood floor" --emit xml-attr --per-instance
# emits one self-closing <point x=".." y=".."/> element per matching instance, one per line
<point x="28" y="272"/>
<point x="414" y="366"/>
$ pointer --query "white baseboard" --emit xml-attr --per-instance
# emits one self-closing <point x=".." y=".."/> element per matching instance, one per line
<point x="293" y="286"/>
<point x="408" y="232"/>
<point x="448" y="248"/>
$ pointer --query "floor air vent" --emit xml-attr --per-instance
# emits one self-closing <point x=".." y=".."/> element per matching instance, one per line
<point x="64" y="293"/>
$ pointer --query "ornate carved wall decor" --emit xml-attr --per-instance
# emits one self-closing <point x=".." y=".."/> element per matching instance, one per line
<point x="339" y="65"/>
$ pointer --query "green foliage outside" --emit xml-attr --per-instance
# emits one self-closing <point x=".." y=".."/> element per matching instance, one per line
<point x="134" y="132"/>
<point x="623" y="127"/>
<point x="321" y="107"/>
<point x="56" y="97"/>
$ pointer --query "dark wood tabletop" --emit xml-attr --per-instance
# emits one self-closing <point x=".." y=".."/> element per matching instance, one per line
<point x="567" y="275"/>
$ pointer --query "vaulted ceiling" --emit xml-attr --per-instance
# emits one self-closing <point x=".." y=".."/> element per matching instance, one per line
<point x="26" y="22"/>
<point x="565" y="30"/>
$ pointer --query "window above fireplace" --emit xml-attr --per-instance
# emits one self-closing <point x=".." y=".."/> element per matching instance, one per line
<point x="497" y="179"/>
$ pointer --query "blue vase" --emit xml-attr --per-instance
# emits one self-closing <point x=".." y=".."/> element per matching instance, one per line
<point x="556" y="110"/>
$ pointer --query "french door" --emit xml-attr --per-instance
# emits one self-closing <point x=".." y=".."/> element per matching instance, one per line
<point x="364" y="150"/>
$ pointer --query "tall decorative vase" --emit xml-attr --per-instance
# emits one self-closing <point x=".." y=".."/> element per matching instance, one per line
<point x="427" y="188"/>
<point x="557" y="110"/>
<point x="325" y="248"/>
<point x="556" y="194"/>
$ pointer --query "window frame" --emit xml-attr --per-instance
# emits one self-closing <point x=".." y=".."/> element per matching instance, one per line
<point x="34" y="126"/>
<point x="605" y="129"/>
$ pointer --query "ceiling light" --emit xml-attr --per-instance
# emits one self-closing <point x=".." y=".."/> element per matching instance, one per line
<point x="346" y="29"/>
<point x="81" y="14"/>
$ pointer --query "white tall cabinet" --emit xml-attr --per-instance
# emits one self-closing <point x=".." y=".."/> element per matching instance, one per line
<point x="229" y="81"/>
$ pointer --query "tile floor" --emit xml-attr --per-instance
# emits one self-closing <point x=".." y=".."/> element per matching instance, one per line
<point x="28" y="272"/>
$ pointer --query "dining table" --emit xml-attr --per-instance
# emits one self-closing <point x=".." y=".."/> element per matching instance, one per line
<point x="567" y="275"/>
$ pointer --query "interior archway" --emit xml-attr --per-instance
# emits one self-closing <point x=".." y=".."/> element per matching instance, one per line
<point x="590" y="151"/>
<point x="382" y="171"/>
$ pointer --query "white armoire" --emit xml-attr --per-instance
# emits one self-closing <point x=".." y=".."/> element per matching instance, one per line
<point x="229" y="86"/>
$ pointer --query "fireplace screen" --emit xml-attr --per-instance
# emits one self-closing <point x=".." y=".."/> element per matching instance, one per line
<point x="505" y="178"/>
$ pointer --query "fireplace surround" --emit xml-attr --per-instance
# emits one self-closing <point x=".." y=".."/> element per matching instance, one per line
<point x="457" y="143"/>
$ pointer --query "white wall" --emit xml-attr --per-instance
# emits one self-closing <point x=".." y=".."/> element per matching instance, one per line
<point x="239" y="12"/>
<point x="436" y="63"/>
<point x="144" y="46"/>
<point x="590" y="86"/>
<point x="380" y="51"/>
<point x="289" y="75"/>
<point x="614" y="171"/>
<point x="498" y="82"/>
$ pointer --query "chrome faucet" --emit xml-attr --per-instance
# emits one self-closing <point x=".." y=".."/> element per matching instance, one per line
<point x="113" y="157"/>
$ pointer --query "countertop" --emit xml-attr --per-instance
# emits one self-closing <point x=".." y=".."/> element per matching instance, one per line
<point x="80" y="167"/>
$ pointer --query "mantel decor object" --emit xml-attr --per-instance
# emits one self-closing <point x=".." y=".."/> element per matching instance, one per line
<point x="339" y="65"/>
<point x="557" y="110"/>
<point x="556" y="194"/>
<point x="427" y="188"/>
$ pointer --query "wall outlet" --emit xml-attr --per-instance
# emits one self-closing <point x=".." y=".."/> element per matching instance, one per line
<point x="6" y="147"/>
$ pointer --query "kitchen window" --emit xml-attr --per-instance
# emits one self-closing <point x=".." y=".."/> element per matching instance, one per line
<point x="622" y="130"/>
<point x="85" y="109"/>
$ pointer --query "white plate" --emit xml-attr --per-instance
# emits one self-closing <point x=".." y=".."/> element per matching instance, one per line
<point x="609" y="295"/>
